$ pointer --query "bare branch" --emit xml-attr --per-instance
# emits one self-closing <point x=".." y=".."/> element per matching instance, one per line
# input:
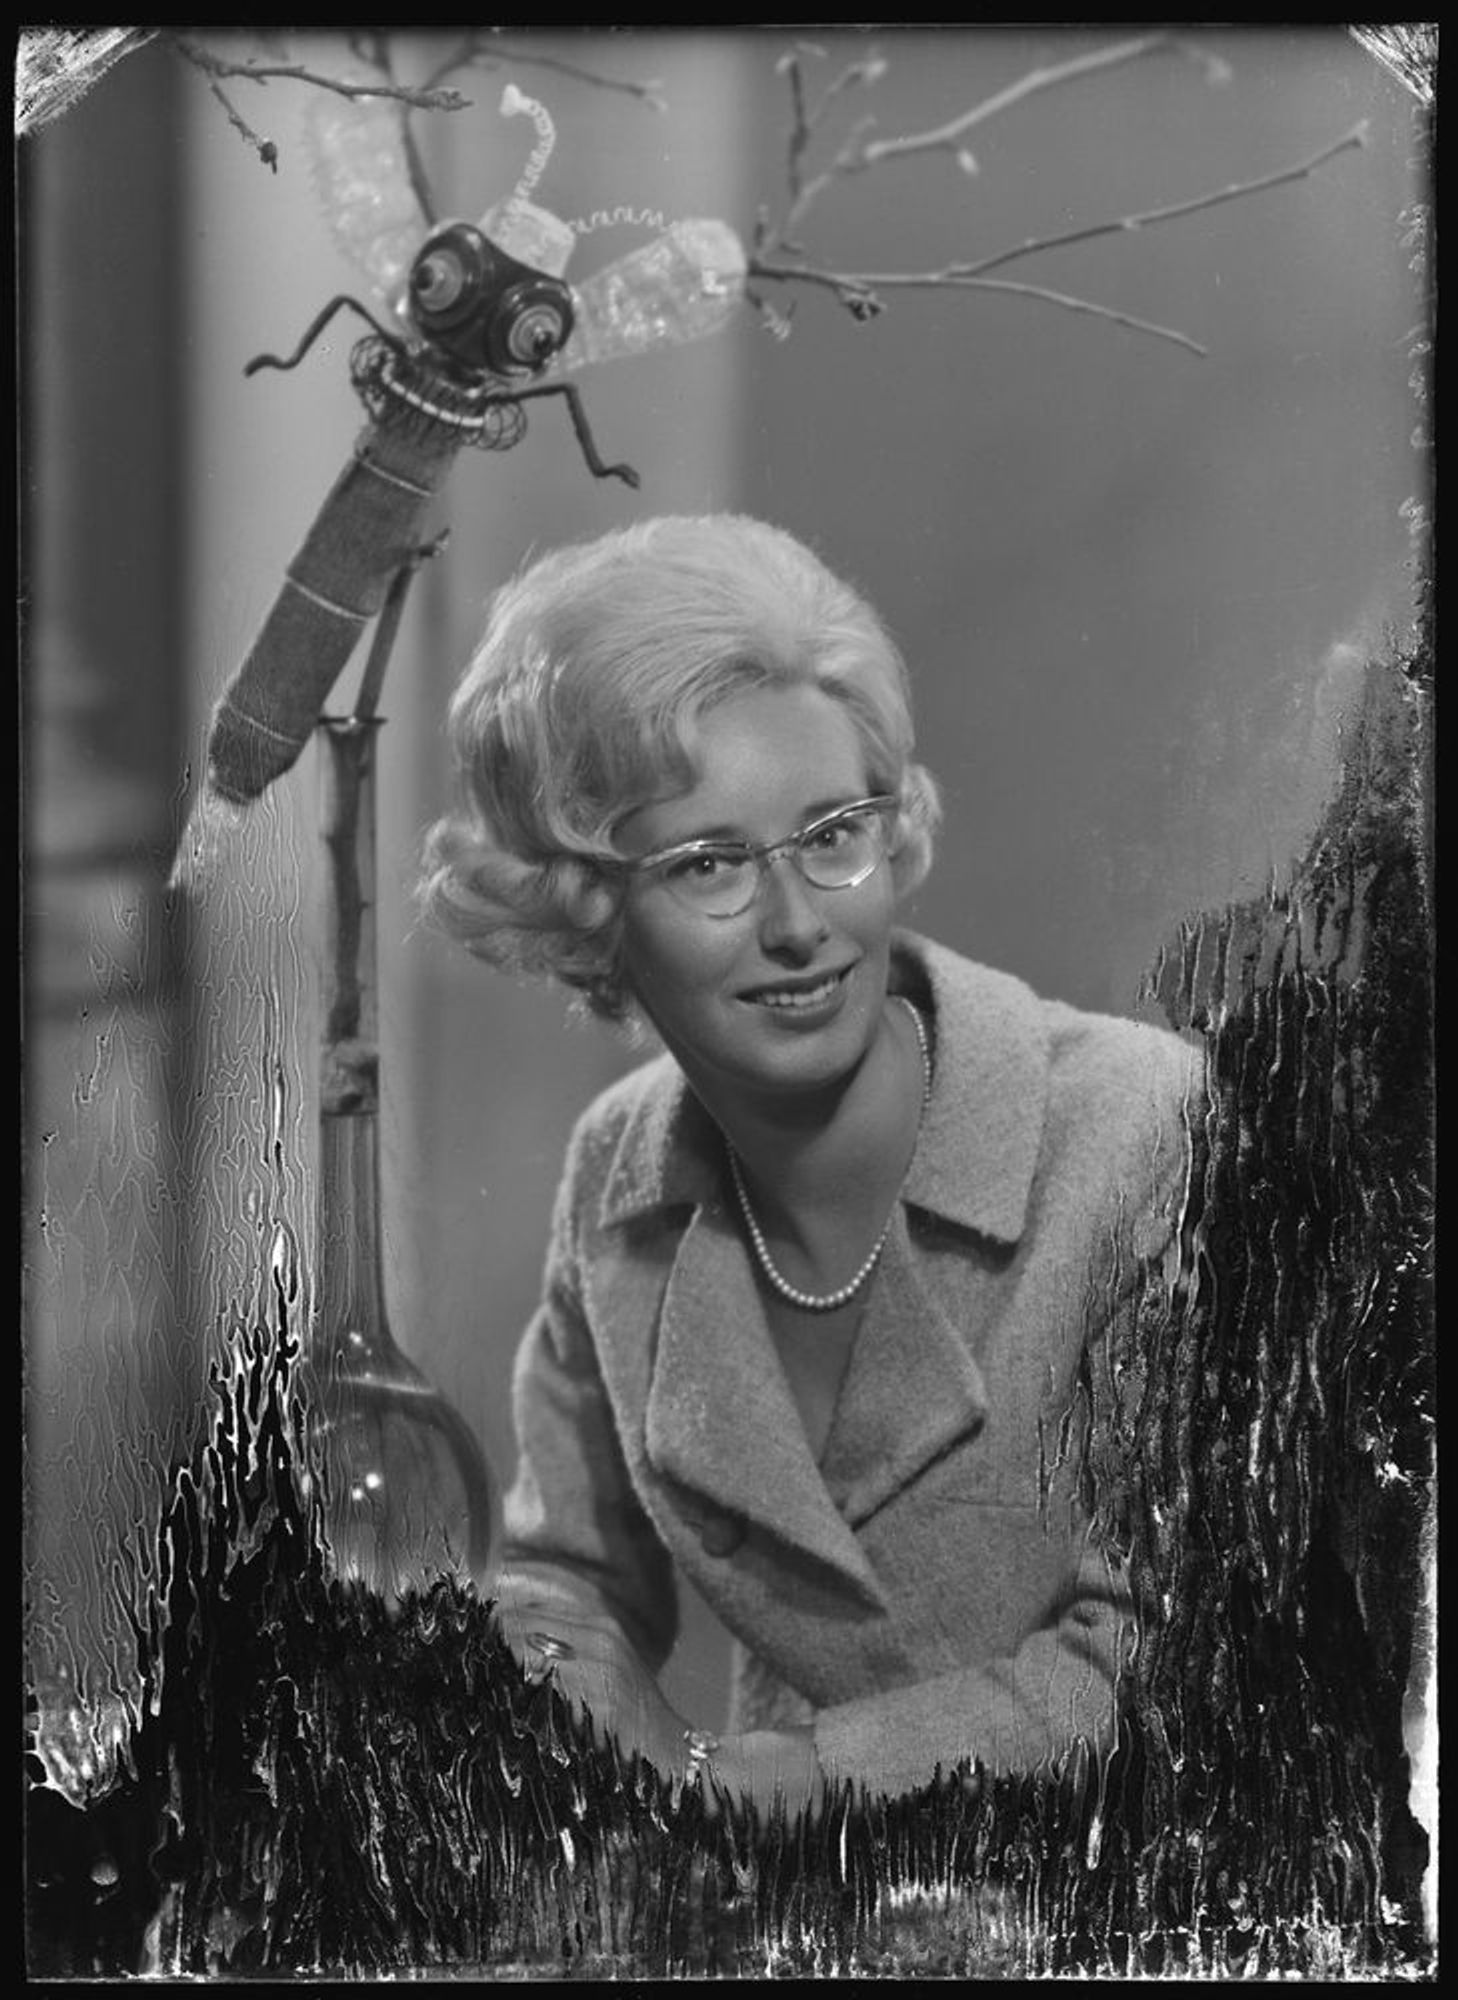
<point x="418" y="98"/>
<point x="948" y="137"/>
<point x="860" y="152"/>
<point x="650" y="91"/>
<point x="266" y="150"/>
<point x="483" y="51"/>
<point x="367" y="48"/>
<point x="1150" y="216"/>
<point x="1071" y="304"/>
<point x="858" y="291"/>
<point x="869" y="70"/>
<point x="800" y="125"/>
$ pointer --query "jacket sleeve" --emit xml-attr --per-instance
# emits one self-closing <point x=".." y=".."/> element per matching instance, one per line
<point x="576" y="1539"/>
<point x="1023" y="1713"/>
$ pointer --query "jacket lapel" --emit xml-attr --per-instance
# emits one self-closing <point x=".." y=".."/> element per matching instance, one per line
<point x="913" y="1388"/>
<point x="911" y="1391"/>
<point x="721" y="1420"/>
<point x="983" y="1130"/>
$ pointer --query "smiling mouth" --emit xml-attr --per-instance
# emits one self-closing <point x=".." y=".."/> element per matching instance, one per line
<point x="792" y="998"/>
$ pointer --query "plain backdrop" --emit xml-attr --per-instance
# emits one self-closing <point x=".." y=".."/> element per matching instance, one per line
<point x="1135" y="586"/>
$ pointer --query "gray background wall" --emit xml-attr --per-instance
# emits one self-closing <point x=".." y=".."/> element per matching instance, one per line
<point x="1135" y="587"/>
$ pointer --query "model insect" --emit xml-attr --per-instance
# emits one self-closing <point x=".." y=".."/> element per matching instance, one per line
<point x="476" y="320"/>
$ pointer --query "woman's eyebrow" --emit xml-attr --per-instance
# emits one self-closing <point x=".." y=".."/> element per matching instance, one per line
<point x="731" y="835"/>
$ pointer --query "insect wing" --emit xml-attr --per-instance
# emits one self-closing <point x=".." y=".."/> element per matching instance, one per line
<point x="362" y="177"/>
<point x="685" y="284"/>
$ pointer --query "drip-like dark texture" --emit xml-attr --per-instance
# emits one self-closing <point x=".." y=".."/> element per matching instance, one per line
<point x="1274" y="1413"/>
<point x="309" y="1783"/>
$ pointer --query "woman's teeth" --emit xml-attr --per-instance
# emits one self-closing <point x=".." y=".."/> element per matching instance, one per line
<point x="802" y="996"/>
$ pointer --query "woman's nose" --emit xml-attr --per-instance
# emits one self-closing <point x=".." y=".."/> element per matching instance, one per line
<point x="789" y="909"/>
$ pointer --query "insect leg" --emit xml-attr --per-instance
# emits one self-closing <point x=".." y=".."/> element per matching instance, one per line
<point x="313" y="331"/>
<point x="584" y="431"/>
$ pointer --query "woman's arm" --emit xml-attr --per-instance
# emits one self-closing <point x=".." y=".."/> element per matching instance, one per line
<point x="586" y="1591"/>
<point x="1050" y="1701"/>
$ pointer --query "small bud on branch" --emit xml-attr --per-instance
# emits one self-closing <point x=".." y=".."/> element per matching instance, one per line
<point x="778" y="258"/>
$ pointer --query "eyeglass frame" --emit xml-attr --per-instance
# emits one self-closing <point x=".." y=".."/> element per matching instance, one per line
<point x="761" y="854"/>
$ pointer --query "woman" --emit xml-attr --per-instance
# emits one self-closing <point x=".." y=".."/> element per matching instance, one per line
<point x="816" y="1320"/>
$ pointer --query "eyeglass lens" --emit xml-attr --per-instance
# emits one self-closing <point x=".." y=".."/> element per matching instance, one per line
<point x="835" y="853"/>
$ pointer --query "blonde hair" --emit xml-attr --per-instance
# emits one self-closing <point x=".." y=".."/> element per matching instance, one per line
<point x="577" y="708"/>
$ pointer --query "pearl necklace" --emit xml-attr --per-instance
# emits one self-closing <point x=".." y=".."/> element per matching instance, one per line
<point x="828" y="1301"/>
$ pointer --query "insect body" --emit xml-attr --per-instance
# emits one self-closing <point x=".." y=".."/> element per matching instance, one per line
<point x="482" y="321"/>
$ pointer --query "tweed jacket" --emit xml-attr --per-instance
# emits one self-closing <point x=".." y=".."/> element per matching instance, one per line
<point x="928" y="1591"/>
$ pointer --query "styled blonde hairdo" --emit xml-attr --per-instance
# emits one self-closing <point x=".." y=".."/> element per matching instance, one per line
<point x="577" y="709"/>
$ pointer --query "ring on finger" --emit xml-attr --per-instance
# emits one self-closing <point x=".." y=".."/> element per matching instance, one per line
<point x="551" y="1649"/>
<point x="702" y="1746"/>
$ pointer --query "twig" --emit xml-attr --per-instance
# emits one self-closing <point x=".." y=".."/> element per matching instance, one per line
<point x="947" y="137"/>
<point x="419" y="98"/>
<point x="476" y="51"/>
<point x="860" y="153"/>
<point x="869" y="70"/>
<point x="1150" y="216"/>
<point x="858" y="290"/>
<point x="801" y="124"/>
<point x="387" y="626"/>
<point x="372" y="50"/>
<point x="266" y="150"/>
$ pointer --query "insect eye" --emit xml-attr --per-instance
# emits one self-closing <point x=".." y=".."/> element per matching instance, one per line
<point x="537" y="329"/>
<point x="439" y="279"/>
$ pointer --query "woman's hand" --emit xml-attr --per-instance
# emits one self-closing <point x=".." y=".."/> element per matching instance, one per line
<point x="594" y="1667"/>
<point x="763" y="1765"/>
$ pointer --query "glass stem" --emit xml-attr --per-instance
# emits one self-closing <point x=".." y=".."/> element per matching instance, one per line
<point x="351" y="1337"/>
<point x="349" y="1247"/>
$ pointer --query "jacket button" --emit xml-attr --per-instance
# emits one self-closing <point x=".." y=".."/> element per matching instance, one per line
<point x="722" y="1533"/>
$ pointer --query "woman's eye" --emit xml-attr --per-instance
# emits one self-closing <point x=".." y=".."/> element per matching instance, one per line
<point x="827" y="838"/>
<point x="705" y="867"/>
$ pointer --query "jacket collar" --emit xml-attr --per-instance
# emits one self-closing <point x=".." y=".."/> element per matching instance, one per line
<point x="979" y="1144"/>
<point x="978" y="1149"/>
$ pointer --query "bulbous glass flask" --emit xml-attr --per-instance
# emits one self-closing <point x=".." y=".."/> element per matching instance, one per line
<point x="407" y="1493"/>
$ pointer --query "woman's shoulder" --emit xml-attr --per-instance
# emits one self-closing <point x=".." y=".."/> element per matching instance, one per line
<point x="638" y="1144"/>
<point x="647" y="1091"/>
<point x="1087" y="1063"/>
<point x="1118" y="1048"/>
<point x="1070" y="1031"/>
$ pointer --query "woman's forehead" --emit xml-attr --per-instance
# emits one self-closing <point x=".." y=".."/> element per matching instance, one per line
<point x="764" y="763"/>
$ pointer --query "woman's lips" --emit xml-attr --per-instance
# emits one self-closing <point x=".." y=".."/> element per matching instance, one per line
<point x="794" y="996"/>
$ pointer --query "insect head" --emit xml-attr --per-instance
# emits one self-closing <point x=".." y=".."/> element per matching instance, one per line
<point x="483" y="308"/>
